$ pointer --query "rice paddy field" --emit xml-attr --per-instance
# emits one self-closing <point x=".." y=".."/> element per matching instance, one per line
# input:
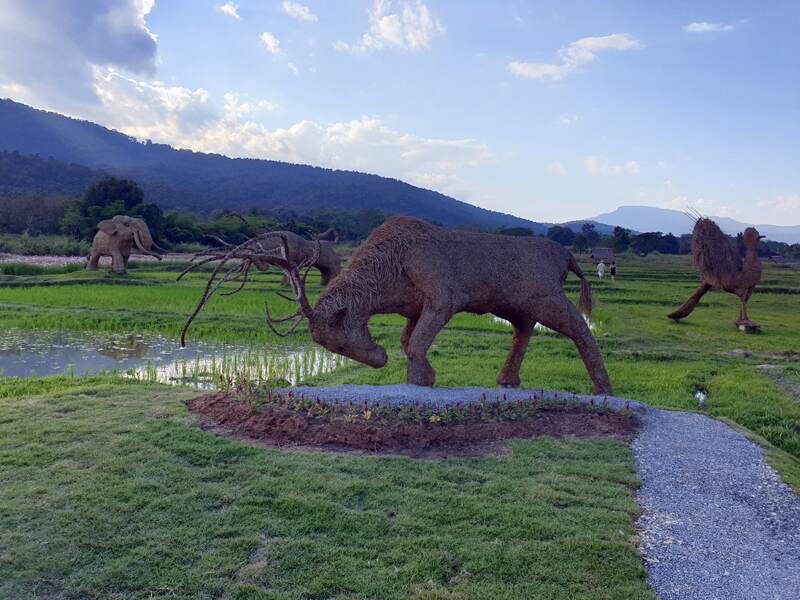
<point x="108" y="487"/>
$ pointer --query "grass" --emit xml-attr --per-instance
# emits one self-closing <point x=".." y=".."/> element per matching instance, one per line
<point x="107" y="490"/>
<point x="649" y="358"/>
<point x="17" y="269"/>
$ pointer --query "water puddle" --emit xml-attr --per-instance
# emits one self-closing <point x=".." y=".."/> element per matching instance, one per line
<point x="541" y="328"/>
<point x="31" y="353"/>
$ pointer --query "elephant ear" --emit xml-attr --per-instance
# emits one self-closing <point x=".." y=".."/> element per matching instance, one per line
<point x="108" y="226"/>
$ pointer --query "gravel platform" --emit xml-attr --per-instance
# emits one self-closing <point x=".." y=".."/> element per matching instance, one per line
<point x="409" y="394"/>
<point x="717" y="522"/>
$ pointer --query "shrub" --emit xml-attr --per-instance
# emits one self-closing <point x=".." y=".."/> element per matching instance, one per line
<point x="43" y="245"/>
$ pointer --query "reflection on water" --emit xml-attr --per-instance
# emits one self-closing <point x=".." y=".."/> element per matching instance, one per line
<point x="541" y="328"/>
<point x="122" y="347"/>
<point x="25" y="353"/>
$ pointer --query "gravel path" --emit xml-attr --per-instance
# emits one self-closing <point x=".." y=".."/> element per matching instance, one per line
<point x="717" y="522"/>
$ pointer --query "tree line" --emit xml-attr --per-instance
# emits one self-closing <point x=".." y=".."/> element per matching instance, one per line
<point x="77" y="218"/>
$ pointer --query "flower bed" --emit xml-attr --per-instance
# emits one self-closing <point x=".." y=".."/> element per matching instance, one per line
<point x="244" y="411"/>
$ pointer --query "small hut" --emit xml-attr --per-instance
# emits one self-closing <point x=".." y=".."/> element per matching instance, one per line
<point x="604" y="254"/>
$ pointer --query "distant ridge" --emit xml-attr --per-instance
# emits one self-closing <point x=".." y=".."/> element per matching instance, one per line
<point x="186" y="180"/>
<point x="651" y="218"/>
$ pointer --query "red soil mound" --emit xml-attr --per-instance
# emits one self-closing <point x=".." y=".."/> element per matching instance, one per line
<point x="281" y="427"/>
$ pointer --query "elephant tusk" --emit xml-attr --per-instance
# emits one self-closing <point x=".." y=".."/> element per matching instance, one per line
<point x="141" y="248"/>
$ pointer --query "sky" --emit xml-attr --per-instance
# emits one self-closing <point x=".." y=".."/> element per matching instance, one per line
<point x="550" y="110"/>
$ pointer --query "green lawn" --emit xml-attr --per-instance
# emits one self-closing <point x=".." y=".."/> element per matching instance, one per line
<point x="648" y="357"/>
<point x="109" y="489"/>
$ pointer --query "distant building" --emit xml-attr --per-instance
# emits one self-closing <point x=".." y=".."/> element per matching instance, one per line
<point x="604" y="254"/>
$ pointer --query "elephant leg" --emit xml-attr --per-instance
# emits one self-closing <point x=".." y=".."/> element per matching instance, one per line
<point x="94" y="259"/>
<point x="324" y="276"/>
<point x="559" y="314"/>
<point x="509" y="374"/>
<point x="118" y="263"/>
<point x="411" y="322"/>
<point x="429" y="324"/>
<point x="689" y="305"/>
<point x="125" y="260"/>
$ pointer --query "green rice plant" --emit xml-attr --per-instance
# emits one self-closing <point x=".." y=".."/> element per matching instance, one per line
<point x="649" y="357"/>
<point x="26" y="269"/>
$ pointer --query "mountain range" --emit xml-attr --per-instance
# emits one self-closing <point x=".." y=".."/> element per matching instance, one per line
<point x="199" y="182"/>
<point x="650" y="218"/>
<point x="51" y="154"/>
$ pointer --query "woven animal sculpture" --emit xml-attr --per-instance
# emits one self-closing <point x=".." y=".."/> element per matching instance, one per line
<point x="721" y="267"/>
<point x="428" y="274"/>
<point x="300" y="249"/>
<point x="117" y="237"/>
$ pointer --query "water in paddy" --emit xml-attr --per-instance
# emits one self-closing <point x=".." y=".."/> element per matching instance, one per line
<point x="26" y="353"/>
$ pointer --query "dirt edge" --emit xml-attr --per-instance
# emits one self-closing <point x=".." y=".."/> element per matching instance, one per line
<point x="227" y="417"/>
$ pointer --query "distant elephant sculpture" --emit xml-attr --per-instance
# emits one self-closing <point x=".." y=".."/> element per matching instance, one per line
<point x="116" y="237"/>
<point x="300" y="250"/>
<point x="428" y="274"/>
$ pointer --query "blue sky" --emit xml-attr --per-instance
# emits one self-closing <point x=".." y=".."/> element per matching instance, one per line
<point x="548" y="110"/>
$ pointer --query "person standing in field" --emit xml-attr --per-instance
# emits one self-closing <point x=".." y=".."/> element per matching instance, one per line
<point x="613" y="270"/>
<point x="601" y="269"/>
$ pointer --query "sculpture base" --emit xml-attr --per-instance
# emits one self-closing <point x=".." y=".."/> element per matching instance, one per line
<point x="747" y="325"/>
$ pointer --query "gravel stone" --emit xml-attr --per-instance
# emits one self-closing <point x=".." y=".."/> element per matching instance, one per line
<point x="439" y="396"/>
<point x="717" y="522"/>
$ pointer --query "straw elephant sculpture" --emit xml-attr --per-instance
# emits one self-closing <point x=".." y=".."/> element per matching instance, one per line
<point x="117" y="237"/>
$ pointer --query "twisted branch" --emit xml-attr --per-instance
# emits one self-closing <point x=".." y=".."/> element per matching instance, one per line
<point x="253" y="251"/>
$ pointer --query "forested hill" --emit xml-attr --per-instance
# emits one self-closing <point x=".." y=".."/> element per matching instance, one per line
<point x="186" y="180"/>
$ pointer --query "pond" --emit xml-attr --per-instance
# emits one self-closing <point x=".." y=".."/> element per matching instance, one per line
<point x="26" y="353"/>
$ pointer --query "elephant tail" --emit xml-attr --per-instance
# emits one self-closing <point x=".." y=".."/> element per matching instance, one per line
<point x="585" y="298"/>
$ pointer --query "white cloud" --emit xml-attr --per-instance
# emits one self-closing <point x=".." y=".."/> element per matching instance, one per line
<point x="677" y="203"/>
<point x="112" y="81"/>
<point x="573" y="56"/>
<point x="293" y="68"/>
<point x="411" y="28"/>
<point x="567" y="120"/>
<point x="788" y="204"/>
<point x="239" y="105"/>
<point x="186" y="118"/>
<point x="299" y="11"/>
<point x="270" y="43"/>
<point x="230" y="9"/>
<point x="704" y="206"/>
<point x="446" y="183"/>
<point x="48" y="53"/>
<point x="706" y="27"/>
<point x="149" y="109"/>
<point x="601" y="166"/>
<point x="557" y="169"/>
